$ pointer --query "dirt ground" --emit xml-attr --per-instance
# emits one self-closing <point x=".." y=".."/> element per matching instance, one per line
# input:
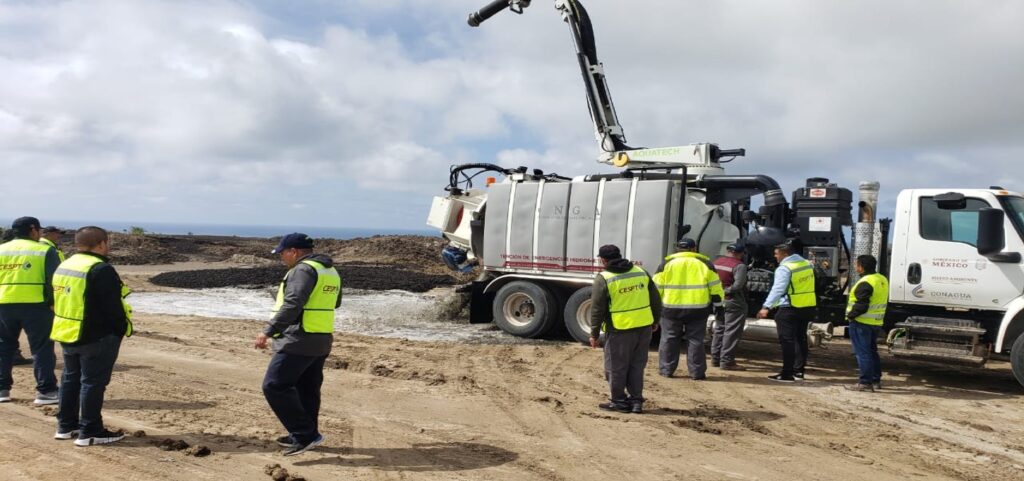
<point x="396" y="409"/>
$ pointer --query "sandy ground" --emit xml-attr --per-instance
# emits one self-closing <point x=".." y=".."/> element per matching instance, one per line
<point x="397" y="409"/>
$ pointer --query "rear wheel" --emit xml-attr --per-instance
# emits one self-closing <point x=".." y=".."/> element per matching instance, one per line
<point x="577" y="314"/>
<point x="1017" y="359"/>
<point x="525" y="309"/>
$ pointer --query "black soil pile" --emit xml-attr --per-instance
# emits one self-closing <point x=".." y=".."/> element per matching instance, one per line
<point x="369" y="277"/>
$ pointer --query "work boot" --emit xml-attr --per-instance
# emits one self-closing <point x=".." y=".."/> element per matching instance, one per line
<point x="877" y="385"/>
<point x="45" y="398"/>
<point x="859" y="387"/>
<point x="732" y="366"/>
<point x="616" y="406"/>
<point x="637" y="407"/>
<point x="715" y="363"/>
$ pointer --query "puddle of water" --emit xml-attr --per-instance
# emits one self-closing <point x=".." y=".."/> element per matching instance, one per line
<point x="394" y="314"/>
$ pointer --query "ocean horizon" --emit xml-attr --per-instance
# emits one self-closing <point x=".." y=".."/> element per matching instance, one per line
<point x="171" y="228"/>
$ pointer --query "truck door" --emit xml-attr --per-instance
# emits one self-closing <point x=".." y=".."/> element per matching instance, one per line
<point x="942" y="264"/>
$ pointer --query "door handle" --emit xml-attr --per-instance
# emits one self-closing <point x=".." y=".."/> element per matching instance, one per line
<point x="914" y="273"/>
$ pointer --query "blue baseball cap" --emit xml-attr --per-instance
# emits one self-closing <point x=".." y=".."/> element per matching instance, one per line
<point x="686" y="243"/>
<point x="294" y="240"/>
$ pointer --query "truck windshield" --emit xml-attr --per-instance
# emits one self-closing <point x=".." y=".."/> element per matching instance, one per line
<point x="1014" y="207"/>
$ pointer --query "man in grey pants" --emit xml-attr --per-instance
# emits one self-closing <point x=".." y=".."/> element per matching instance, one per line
<point x="729" y="324"/>
<point x="689" y="289"/>
<point x="625" y="304"/>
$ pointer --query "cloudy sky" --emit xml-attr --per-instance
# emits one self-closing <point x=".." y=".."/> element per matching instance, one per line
<point x="349" y="112"/>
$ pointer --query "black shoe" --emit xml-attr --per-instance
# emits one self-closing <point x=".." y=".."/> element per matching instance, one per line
<point x="301" y="448"/>
<point x="285" y="441"/>
<point x="699" y="378"/>
<point x="105" y="437"/>
<point x="799" y="376"/>
<point x="665" y="374"/>
<point x="637" y="408"/>
<point x="859" y="387"/>
<point x="615" y="406"/>
<point x="20" y="360"/>
<point x="732" y="366"/>
<point x="877" y="385"/>
<point x="715" y="363"/>
<point x="781" y="378"/>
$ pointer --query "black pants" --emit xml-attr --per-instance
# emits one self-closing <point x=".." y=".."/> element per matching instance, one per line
<point x="87" y="371"/>
<point x="791" y="324"/>
<point x="292" y="388"/>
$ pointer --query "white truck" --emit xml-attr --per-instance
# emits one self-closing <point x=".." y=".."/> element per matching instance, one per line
<point x="957" y="283"/>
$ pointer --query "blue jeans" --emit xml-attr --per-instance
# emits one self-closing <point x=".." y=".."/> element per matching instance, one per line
<point x="87" y="370"/>
<point x="292" y="388"/>
<point x="36" y="320"/>
<point x="864" y="339"/>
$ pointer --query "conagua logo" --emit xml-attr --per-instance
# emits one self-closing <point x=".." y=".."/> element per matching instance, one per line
<point x="918" y="291"/>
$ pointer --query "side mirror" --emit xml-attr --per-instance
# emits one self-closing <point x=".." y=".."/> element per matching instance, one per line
<point x="992" y="236"/>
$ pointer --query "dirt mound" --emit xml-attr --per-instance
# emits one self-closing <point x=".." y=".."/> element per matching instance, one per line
<point x="378" y="278"/>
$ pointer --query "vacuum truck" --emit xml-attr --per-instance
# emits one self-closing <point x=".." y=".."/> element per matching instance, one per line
<point x="956" y="279"/>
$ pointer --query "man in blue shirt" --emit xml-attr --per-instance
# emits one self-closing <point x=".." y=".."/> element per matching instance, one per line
<point x="793" y="293"/>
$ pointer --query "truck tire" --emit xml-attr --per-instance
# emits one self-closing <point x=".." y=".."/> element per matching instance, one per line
<point x="577" y="315"/>
<point x="1017" y="359"/>
<point x="525" y="309"/>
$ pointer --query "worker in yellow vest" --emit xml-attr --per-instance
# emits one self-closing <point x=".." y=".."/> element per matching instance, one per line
<point x="865" y="311"/>
<point x="51" y="236"/>
<point x="302" y="331"/>
<point x="690" y="289"/>
<point x="26" y="303"/>
<point x="793" y="293"/>
<point x="91" y="318"/>
<point x="625" y="305"/>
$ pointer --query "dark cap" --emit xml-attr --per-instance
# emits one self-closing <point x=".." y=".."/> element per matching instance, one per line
<point x="735" y="247"/>
<point x="609" y="252"/>
<point x="50" y="228"/>
<point x="686" y="243"/>
<point x="294" y="240"/>
<point x="23" y="225"/>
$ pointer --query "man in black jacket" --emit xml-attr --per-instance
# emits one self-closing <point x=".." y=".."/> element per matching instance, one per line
<point x="302" y="329"/>
<point x="90" y="355"/>
<point x="627" y="312"/>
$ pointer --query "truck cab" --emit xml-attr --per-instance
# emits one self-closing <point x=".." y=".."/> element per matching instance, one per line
<point x="956" y="277"/>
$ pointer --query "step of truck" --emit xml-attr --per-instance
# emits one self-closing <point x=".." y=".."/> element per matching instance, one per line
<point x="958" y="356"/>
<point x="938" y="325"/>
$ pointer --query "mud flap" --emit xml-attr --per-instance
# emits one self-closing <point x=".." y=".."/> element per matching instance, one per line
<point x="480" y="304"/>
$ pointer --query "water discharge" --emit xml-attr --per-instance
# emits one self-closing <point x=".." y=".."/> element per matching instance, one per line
<point x="394" y="314"/>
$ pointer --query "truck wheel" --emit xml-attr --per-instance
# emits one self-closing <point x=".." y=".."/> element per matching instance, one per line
<point x="525" y="309"/>
<point x="577" y="315"/>
<point x="1017" y="359"/>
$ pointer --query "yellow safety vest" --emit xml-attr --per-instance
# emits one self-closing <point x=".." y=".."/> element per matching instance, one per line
<point x="22" y="272"/>
<point x="875" y="315"/>
<point x="318" y="312"/>
<point x="687" y="282"/>
<point x="628" y="299"/>
<point x="801" y="284"/>
<point x="60" y="254"/>
<point x="69" y="284"/>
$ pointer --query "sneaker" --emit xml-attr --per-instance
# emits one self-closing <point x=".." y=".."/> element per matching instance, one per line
<point x="781" y="378"/>
<point x="5" y="396"/>
<point x="615" y="406"/>
<point x="859" y="387"/>
<point x="732" y="366"/>
<point x="44" y="398"/>
<point x="65" y="435"/>
<point x="637" y="408"/>
<point x="877" y="385"/>
<point x="285" y="441"/>
<point x="799" y="376"/>
<point x="104" y="437"/>
<point x="301" y="448"/>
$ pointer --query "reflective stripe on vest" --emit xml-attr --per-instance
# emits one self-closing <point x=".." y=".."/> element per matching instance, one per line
<point x="318" y="312"/>
<point x="22" y="272"/>
<point x="60" y="254"/>
<point x="801" y="284"/>
<point x="875" y="315"/>
<point x="629" y="301"/>
<point x="687" y="282"/>
<point x="69" y="284"/>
